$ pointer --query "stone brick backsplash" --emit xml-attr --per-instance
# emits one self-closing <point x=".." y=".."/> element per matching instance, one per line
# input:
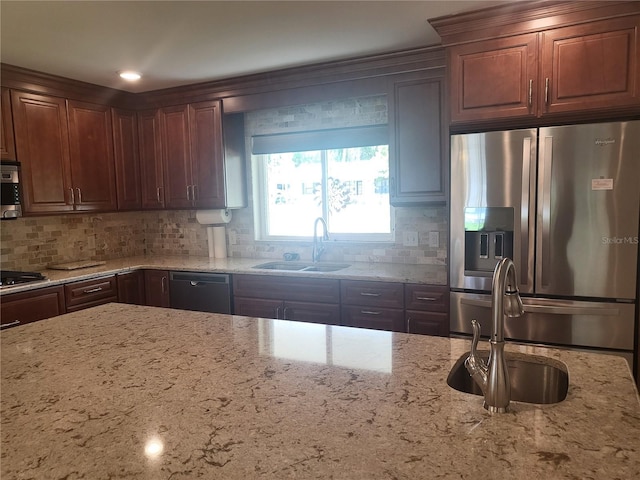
<point x="31" y="243"/>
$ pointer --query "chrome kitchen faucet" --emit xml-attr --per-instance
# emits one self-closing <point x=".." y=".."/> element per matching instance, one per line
<point x="318" y="248"/>
<point x="493" y="376"/>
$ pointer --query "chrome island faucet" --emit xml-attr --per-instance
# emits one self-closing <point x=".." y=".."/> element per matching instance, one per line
<point x="493" y="376"/>
<point x="318" y="248"/>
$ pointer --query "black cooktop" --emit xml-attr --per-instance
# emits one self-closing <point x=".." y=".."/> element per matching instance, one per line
<point x="13" y="277"/>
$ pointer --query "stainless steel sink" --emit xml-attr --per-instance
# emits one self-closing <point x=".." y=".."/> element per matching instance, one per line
<point x="303" y="267"/>
<point x="534" y="379"/>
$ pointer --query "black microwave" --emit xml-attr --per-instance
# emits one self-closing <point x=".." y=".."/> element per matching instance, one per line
<point x="10" y="190"/>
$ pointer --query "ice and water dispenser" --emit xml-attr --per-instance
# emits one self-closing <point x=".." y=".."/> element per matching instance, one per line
<point x="488" y="235"/>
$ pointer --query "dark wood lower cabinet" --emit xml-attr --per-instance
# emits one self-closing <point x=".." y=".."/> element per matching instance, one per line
<point x="373" y="317"/>
<point x="156" y="288"/>
<point x="428" y="323"/>
<point x="25" y="307"/>
<point x="90" y="293"/>
<point x="131" y="288"/>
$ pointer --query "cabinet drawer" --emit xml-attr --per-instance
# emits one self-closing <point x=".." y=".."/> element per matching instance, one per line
<point x="25" y="307"/>
<point x="429" y="298"/>
<point x="312" y="312"/>
<point x="373" y="317"/>
<point x="90" y="293"/>
<point x="318" y="290"/>
<point x="378" y="294"/>
<point x="426" y="323"/>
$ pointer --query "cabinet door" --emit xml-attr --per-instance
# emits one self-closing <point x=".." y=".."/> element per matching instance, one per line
<point x="7" y="144"/>
<point x="151" y="176"/>
<point x="205" y="126"/>
<point x="494" y="78"/>
<point x="373" y="317"/>
<point x="131" y="287"/>
<point x="127" y="163"/>
<point x="257" y="307"/>
<point x="427" y="323"/>
<point x="312" y="312"/>
<point x="91" y="156"/>
<point x="42" y="144"/>
<point x="25" y="307"/>
<point x="156" y="288"/>
<point x="589" y="66"/>
<point x="176" y="157"/>
<point x="418" y="144"/>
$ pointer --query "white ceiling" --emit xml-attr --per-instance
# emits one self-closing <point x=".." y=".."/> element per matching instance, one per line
<point x="181" y="42"/>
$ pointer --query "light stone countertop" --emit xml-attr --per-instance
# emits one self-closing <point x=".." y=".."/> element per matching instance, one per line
<point x="388" y="272"/>
<point x="132" y="392"/>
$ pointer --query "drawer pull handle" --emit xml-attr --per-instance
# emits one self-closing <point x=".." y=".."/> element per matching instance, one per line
<point x="93" y="290"/>
<point x="370" y="312"/>
<point x="427" y="299"/>
<point x="367" y="294"/>
<point x="10" y="324"/>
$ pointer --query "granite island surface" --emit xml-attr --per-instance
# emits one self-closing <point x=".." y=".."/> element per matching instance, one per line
<point x="132" y="392"/>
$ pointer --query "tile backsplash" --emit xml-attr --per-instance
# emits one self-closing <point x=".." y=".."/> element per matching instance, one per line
<point x="32" y="243"/>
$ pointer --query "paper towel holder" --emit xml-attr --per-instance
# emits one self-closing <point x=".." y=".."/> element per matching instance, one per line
<point x="213" y="217"/>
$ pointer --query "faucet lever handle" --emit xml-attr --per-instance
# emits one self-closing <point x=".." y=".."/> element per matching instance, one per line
<point x="476" y="367"/>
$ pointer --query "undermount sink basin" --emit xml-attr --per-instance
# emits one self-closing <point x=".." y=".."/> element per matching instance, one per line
<point x="303" y="267"/>
<point x="534" y="379"/>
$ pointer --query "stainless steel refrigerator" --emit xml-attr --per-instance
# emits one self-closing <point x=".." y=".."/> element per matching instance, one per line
<point x="564" y="203"/>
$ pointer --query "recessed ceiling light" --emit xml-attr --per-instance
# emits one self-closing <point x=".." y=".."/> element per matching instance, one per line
<point x="130" y="75"/>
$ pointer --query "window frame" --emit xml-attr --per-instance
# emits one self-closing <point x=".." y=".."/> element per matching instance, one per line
<point x="261" y="209"/>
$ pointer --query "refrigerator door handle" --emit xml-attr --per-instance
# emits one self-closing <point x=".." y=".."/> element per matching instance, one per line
<point x="552" y="309"/>
<point x="571" y="310"/>
<point x="525" y="255"/>
<point x="547" y="166"/>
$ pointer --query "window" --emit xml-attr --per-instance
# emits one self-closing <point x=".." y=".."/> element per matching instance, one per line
<point x="340" y="175"/>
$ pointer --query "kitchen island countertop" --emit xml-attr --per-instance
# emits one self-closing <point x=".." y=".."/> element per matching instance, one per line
<point x="132" y="392"/>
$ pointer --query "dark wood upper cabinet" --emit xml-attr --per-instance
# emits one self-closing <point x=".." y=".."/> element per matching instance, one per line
<point x="7" y="144"/>
<point x="91" y="156"/>
<point x="151" y="175"/>
<point x="540" y="63"/>
<point x="494" y="78"/>
<point x="42" y="145"/>
<point x="205" y="129"/>
<point x="418" y="142"/>
<point x="176" y="156"/>
<point x="192" y="155"/>
<point x="66" y="152"/>
<point x="127" y="160"/>
<point x="591" y="66"/>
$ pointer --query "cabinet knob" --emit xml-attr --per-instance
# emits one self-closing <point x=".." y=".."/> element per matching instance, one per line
<point x="73" y="197"/>
<point x="79" y="195"/>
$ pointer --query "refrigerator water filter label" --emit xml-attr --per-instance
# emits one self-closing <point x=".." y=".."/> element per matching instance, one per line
<point x="602" y="184"/>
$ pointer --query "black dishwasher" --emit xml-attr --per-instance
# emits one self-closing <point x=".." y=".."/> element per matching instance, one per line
<point x="203" y="292"/>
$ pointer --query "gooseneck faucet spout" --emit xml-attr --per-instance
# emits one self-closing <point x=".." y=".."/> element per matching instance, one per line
<point x="493" y="377"/>
<point x="318" y="248"/>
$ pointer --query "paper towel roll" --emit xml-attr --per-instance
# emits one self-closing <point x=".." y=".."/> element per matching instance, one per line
<point x="213" y="217"/>
<point x="219" y="235"/>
